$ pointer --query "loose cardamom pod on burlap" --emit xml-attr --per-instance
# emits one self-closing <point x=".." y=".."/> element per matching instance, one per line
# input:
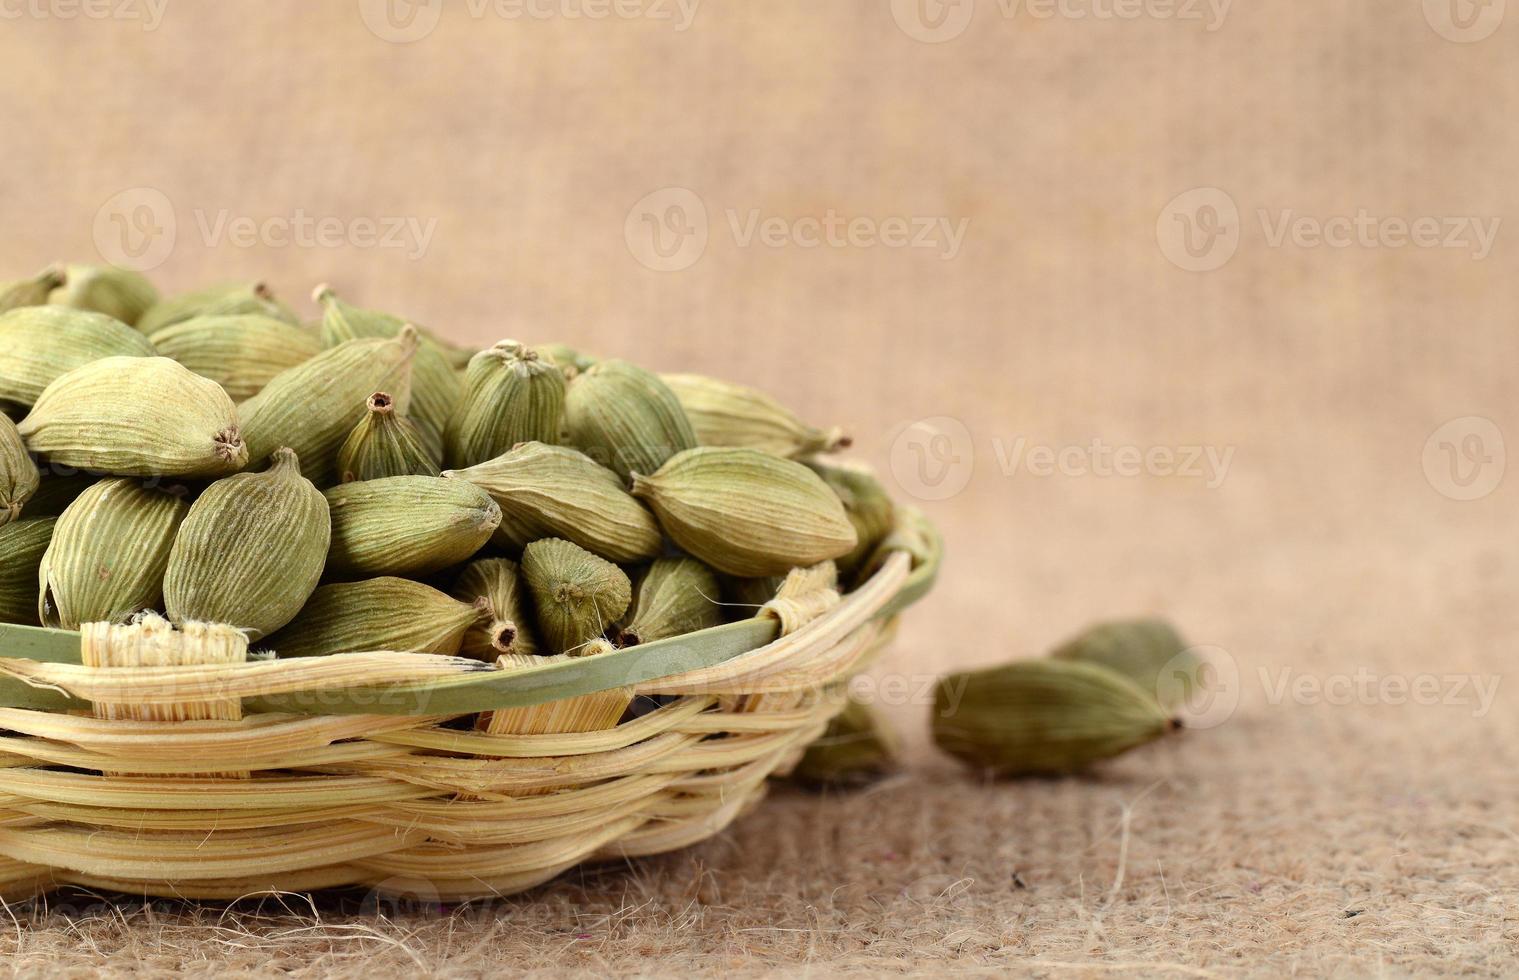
<point x="511" y="395"/>
<point x="577" y="595"/>
<point x="222" y="300"/>
<point x="22" y="545"/>
<point x="30" y="292"/>
<point x="726" y="414"/>
<point x="407" y="525"/>
<point x="39" y="344"/>
<point x="1148" y="652"/>
<point x="857" y="749"/>
<point x="509" y="630"/>
<point x="867" y="505"/>
<point x="625" y="418"/>
<point x="672" y="597"/>
<point x="378" y="614"/>
<point x="120" y="293"/>
<point x="384" y="443"/>
<point x="19" y="477"/>
<point x="241" y="352"/>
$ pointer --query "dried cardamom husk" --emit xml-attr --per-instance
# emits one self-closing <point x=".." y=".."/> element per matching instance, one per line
<point x="120" y="293"/>
<point x="30" y="292"/>
<point x="1148" y="652"/>
<point x="251" y="550"/>
<point x="39" y="344"/>
<point x="222" y="300"/>
<point x="866" y="503"/>
<point x="1043" y="717"/>
<point x="857" y="749"/>
<point x="672" y="597"/>
<point x="726" y="414"/>
<point x="137" y="416"/>
<point x="22" y="545"/>
<point x="577" y="595"/>
<point x="746" y="512"/>
<point x="625" y="418"/>
<point x="511" y="395"/>
<point x="509" y="629"/>
<point x="242" y="352"/>
<point x="378" y="614"/>
<point x="109" y="554"/>
<point x="558" y="492"/>
<point x="570" y="361"/>
<point x="407" y="525"/>
<point x="384" y="443"/>
<point x="19" y="476"/>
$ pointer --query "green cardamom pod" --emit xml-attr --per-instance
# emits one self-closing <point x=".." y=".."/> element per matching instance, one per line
<point x="726" y="414"/>
<point x="223" y="300"/>
<point x="511" y="395"/>
<point x="509" y="630"/>
<point x="251" y="550"/>
<point x="578" y="596"/>
<point x="746" y="512"/>
<point x="39" y="344"/>
<point x="407" y="525"/>
<point x="857" y="749"/>
<point x="570" y="361"/>
<point x="19" y="476"/>
<point x="385" y="443"/>
<point x="120" y="293"/>
<point x="137" y="416"/>
<point x="867" y="504"/>
<point x="57" y="490"/>
<point x="1043" y="717"/>
<point x="109" y="554"/>
<point x="625" y="418"/>
<point x="1148" y="652"/>
<point x="30" y="292"/>
<point x="241" y="352"/>
<point x="389" y="614"/>
<point x="672" y="597"/>
<point x="556" y="492"/>
<point x="22" y="545"/>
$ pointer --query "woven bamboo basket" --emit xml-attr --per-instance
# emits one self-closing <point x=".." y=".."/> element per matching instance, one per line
<point x="153" y="761"/>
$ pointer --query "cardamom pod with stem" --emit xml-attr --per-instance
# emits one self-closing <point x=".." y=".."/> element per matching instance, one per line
<point x="1043" y="717"/>
<point x="378" y="614"/>
<point x="570" y="361"/>
<point x="557" y="492"/>
<point x="313" y="407"/>
<point x="30" y="292"/>
<point x="867" y="505"/>
<point x="726" y="414"/>
<point x="108" y="555"/>
<point x="625" y="418"/>
<point x="251" y="550"/>
<point x="577" y="595"/>
<point x="672" y="597"/>
<point x="746" y="512"/>
<point x="384" y="443"/>
<point x="407" y="525"/>
<point x="511" y="395"/>
<point x="1148" y="652"/>
<point x="137" y="416"/>
<point x="857" y="749"/>
<point x="22" y="545"/>
<point x="19" y="477"/>
<point x="222" y="300"/>
<point x="39" y="344"/>
<point x="241" y="352"/>
<point x="120" y="293"/>
<point x="509" y="629"/>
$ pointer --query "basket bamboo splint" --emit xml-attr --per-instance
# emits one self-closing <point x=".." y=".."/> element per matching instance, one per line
<point x="148" y="760"/>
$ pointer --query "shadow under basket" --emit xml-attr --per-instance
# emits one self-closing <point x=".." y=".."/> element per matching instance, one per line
<point x="153" y="761"/>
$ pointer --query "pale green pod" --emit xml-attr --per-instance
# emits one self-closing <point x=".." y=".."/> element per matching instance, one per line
<point x="558" y="492"/>
<point x="40" y="344"/>
<point x="570" y="361"/>
<point x="120" y="293"/>
<point x="19" y="477"/>
<point x="108" y="554"/>
<point x="379" y="614"/>
<point x="511" y="395"/>
<point x="227" y="299"/>
<point x="407" y="525"/>
<point x="746" y="512"/>
<point x="137" y="416"/>
<point x="242" y="352"/>
<point x="30" y="292"/>
<point x="251" y="550"/>
<point x="577" y="595"/>
<point x="22" y="545"/>
<point x="1043" y="717"/>
<point x="672" y="597"/>
<point x="625" y="418"/>
<point x="509" y="629"/>
<point x="1147" y="651"/>
<point x="867" y="504"/>
<point x="384" y="443"/>
<point x="726" y="414"/>
<point x="857" y="749"/>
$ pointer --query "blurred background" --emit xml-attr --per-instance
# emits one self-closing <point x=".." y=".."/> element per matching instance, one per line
<point x="1181" y="307"/>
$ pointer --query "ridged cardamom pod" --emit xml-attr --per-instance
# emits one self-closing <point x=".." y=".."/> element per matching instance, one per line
<point x="570" y="361"/>
<point x="223" y="300"/>
<point x="1043" y="717"/>
<point x="251" y="550"/>
<point x="577" y="595"/>
<point x="746" y="512"/>
<point x="511" y="395"/>
<point x="241" y="352"/>
<point x="30" y="292"/>
<point x="389" y="614"/>
<point x="869" y="508"/>
<point x="137" y="416"/>
<point x="108" y="554"/>
<point x="19" y="477"/>
<point x="22" y="545"/>
<point x="120" y="293"/>
<point x="1147" y="651"/>
<point x="407" y="525"/>
<point x="39" y="344"/>
<point x="625" y="418"/>
<point x="384" y="443"/>
<point x="57" y="491"/>
<point x="857" y="749"/>
<point x="726" y="414"/>
<point x="673" y="597"/>
<point x="558" y="492"/>
<point x="313" y="407"/>
<point x="509" y="630"/>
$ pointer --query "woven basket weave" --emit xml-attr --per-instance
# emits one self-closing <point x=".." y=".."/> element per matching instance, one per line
<point x="147" y="760"/>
